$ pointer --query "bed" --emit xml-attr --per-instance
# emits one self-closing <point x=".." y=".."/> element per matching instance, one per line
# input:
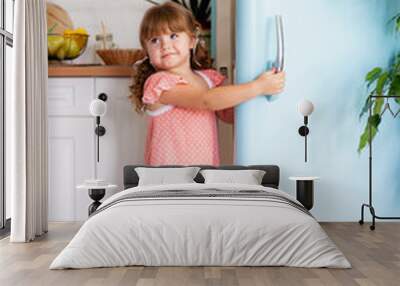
<point x="201" y="224"/>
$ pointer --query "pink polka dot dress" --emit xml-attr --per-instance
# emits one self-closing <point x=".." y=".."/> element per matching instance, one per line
<point x="180" y="136"/>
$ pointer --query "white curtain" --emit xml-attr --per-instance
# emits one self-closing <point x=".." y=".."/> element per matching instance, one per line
<point x="26" y="123"/>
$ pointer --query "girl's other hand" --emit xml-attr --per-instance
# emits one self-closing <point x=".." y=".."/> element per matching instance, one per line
<point x="271" y="82"/>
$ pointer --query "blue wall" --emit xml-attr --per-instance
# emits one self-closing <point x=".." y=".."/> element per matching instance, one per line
<point x="330" y="46"/>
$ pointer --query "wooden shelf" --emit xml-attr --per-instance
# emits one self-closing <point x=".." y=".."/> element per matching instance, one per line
<point x="89" y="71"/>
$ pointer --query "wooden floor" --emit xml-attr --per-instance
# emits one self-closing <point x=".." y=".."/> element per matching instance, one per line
<point x="374" y="255"/>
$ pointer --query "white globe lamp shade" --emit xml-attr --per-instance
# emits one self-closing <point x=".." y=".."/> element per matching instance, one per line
<point x="97" y="107"/>
<point x="306" y="107"/>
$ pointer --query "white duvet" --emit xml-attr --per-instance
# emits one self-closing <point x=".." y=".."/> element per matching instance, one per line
<point x="200" y="231"/>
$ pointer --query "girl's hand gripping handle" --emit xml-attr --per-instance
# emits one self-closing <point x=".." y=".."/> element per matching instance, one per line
<point x="271" y="82"/>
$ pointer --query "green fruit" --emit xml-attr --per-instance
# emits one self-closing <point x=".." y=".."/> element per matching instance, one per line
<point x="54" y="42"/>
<point x="61" y="53"/>
<point x="73" y="50"/>
<point x="65" y="48"/>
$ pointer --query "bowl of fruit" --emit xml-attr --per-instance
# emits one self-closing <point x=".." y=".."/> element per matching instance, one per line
<point x="67" y="46"/>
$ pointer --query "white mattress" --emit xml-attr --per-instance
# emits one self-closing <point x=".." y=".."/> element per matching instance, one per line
<point x="200" y="231"/>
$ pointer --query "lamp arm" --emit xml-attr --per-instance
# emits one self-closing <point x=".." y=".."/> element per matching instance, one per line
<point x="305" y="137"/>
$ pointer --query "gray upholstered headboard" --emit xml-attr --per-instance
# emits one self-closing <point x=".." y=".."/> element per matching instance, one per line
<point x="270" y="179"/>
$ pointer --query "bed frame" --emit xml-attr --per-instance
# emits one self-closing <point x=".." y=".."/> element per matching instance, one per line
<point x="270" y="179"/>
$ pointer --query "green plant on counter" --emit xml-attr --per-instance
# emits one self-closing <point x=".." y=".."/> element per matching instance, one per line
<point x="201" y="11"/>
<point x="200" y="8"/>
<point x="380" y="82"/>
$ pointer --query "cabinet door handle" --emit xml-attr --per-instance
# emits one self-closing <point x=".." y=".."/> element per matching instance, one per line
<point x="102" y="96"/>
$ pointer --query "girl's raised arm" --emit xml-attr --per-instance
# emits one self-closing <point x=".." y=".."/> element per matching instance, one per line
<point x="225" y="96"/>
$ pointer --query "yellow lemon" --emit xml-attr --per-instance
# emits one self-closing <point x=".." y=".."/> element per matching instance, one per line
<point x="81" y="31"/>
<point x="68" y="32"/>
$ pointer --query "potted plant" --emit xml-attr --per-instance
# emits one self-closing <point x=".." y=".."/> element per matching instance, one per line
<point x="380" y="82"/>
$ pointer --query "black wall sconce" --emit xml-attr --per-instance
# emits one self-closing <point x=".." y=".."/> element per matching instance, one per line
<point x="305" y="108"/>
<point x="98" y="108"/>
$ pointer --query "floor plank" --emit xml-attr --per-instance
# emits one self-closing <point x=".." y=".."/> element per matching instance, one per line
<point x="374" y="255"/>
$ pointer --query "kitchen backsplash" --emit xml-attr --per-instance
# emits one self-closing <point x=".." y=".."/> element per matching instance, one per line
<point x="122" y="19"/>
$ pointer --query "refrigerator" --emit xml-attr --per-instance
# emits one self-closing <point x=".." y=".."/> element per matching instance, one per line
<point x="328" y="47"/>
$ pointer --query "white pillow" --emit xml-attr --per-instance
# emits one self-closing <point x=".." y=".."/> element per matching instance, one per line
<point x="163" y="176"/>
<point x="249" y="177"/>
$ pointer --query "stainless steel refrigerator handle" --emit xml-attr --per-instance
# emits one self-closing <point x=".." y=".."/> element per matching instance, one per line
<point x="280" y="49"/>
<point x="280" y="54"/>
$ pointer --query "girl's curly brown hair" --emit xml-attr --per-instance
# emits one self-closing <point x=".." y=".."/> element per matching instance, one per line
<point x="157" y="20"/>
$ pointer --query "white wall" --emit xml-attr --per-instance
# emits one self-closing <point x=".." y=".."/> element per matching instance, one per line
<point x="121" y="17"/>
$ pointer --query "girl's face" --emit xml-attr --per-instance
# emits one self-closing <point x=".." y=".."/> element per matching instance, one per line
<point x="170" y="50"/>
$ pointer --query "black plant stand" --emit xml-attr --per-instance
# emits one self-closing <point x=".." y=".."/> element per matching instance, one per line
<point x="370" y="205"/>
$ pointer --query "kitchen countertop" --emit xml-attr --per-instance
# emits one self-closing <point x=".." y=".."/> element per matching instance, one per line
<point x="89" y="71"/>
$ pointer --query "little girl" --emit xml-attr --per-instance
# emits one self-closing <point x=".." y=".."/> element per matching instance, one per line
<point x="175" y="86"/>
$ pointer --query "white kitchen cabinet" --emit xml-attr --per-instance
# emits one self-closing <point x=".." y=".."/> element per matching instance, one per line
<point x="72" y="141"/>
<point x="124" y="140"/>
